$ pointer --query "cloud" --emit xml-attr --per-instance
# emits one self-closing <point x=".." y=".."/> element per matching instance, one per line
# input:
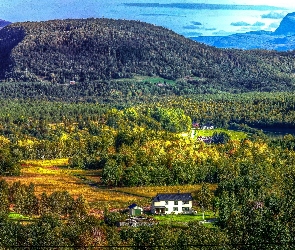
<point x="204" y="6"/>
<point x="192" y="34"/>
<point x="191" y="27"/>
<point x="198" y="26"/>
<point x="210" y="29"/>
<point x="258" y="24"/>
<point x="274" y="15"/>
<point x="222" y="33"/>
<point x="196" y="23"/>
<point x="194" y="26"/>
<point x="242" y="23"/>
<point x="243" y="29"/>
<point x="160" y="15"/>
<point x="274" y="25"/>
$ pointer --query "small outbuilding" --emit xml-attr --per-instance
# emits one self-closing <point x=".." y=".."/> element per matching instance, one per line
<point x="135" y="210"/>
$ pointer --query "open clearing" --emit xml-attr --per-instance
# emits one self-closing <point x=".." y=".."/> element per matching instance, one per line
<point x="52" y="175"/>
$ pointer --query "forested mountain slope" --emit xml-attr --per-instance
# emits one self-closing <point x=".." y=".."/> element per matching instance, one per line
<point x="3" y="23"/>
<point x="85" y="50"/>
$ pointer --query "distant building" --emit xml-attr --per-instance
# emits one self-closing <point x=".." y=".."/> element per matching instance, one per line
<point x="176" y="203"/>
<point x="135" y="210"/>
<point x="207" y="127"/>
<point x="72" y="82"/>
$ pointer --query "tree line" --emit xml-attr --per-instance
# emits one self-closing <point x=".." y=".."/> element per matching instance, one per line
<point x="22" y="199"/>
<point x="141" y="140"/>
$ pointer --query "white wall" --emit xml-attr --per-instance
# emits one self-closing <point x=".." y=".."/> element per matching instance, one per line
<point x="171" y="207"/>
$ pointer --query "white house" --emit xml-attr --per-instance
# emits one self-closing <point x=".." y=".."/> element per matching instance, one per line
<point x="172" y="203"/>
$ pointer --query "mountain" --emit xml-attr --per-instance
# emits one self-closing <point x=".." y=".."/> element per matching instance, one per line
<point x="282" y="39"/>
<point x="287" y="26"/>
<point x="3" y="23"/>
<point x="87" y="50"/>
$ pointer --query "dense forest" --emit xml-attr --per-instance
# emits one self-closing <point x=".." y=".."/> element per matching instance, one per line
<point x="124" y="138"/>
<point x="144" y="145"/>
<point x="85" y="50"/>
<point x="135" y="113"/>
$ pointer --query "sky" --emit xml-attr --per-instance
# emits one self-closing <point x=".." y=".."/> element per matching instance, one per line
<point x="186" y="17"/>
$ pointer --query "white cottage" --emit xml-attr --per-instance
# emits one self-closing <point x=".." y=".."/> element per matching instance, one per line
<point x="172" y="203"/>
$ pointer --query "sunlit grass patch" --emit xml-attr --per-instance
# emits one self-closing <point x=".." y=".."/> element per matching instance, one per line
<point x="185" y="217"/>
<point x="140" y="79"/>
<point x="234" y="135"/>
<point x="152" y="191"/>
<point x="91" y="175"/>
<point x="49" y="177"/>
<point x="52" y="175"/>
<point x="208" y="220"/>
<point x="47" y="163"/>
<point x="17" y="216"/>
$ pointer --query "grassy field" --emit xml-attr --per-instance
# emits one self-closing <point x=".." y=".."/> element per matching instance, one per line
<point x="185" y="217"/>
<point x="18" y="217"/>
<point x="141" y="79"/>
<point x="151" y="79"/>
<point x="152" y="191"/>
<point x="234" y="135"/>
<point x="53" y="175"/>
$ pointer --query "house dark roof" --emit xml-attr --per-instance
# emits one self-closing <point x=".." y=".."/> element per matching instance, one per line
<point x="132" y="206"/>
<point x="173" y="197"/>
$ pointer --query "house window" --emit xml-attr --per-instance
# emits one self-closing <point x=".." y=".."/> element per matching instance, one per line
<point x="175" y="202"/>
<point x="185" y="202"/>
<point x="166" y="202"/>
<point x="185" y="209"/>
<point x="175" y="209"/>
<point x="166" y="209"/>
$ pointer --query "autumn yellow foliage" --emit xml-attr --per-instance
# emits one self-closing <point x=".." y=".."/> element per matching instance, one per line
<point x="50" y="175"/>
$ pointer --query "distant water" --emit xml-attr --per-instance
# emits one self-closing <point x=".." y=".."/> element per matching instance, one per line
<point x="194" y="19"/>
<point x="188" y="19"/>
<point x="278" y="132"/>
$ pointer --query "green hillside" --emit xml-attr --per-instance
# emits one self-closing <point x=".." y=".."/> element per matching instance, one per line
<point x="87" y="50"/>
